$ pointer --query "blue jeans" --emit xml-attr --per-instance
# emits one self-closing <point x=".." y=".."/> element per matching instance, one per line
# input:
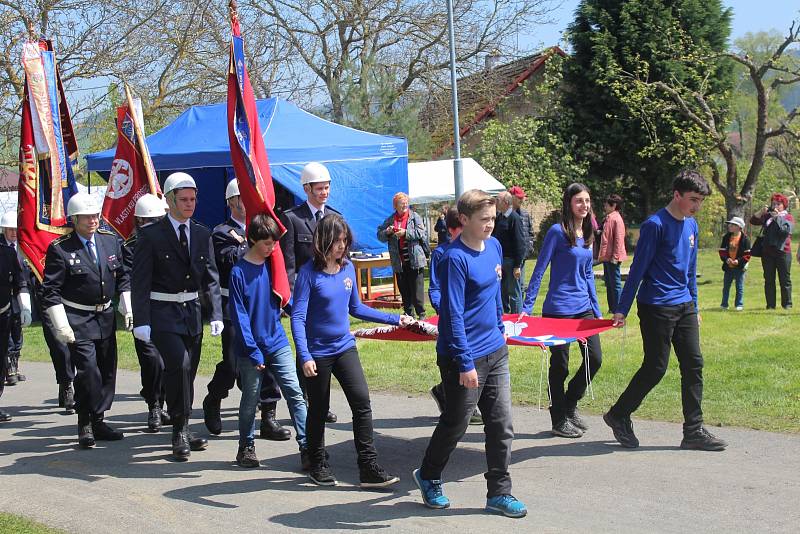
<point x="730" y="276"/>
<point x="282" y="364"/>
<point x="613" y="280"/>
<point x="511" y="288"/>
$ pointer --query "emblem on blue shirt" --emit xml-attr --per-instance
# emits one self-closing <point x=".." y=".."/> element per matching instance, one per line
<point x="348" y="284"/>
<point x="691" y="240"/>
<point x="499" y="270"/>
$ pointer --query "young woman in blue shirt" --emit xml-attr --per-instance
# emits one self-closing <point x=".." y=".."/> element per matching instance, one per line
<point x="567" y="249"/>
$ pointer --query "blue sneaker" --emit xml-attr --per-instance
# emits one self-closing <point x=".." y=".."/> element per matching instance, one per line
<point x="506" y="505"/>
<point x="431" y="490"/>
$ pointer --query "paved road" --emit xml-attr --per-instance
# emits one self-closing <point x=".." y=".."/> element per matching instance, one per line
<point x="590" y="484"/>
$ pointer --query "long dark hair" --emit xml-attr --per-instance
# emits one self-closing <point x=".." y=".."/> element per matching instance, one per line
<point x="568" y="219"/>
<point x="327" y="231"/>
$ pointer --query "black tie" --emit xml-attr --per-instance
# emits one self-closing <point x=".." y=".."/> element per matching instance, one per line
<point x="184" y="240"/>
<point x="318" y="215"/>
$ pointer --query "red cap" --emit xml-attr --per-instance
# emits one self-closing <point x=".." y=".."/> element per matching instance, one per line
<point x="518" y="192"/>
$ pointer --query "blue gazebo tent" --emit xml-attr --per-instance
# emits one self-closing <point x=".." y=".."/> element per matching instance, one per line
<point x="367" y="169"/>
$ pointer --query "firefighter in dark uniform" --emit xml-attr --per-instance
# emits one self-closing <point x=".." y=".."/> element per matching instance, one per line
<point x="149" y="209"/>
<point x="230" y="244"/>
<point x="83" y="272"/>
<point x="8" y="224"/>
<point x="300" y="222"/>
<point x="174" y="262"/>
<point x="13" y="290"/>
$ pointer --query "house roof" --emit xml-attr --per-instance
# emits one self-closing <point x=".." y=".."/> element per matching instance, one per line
<point x="480" y="93"/>
<point x="9" y="179"/>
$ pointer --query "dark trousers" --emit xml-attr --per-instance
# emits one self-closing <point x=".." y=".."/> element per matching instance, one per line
<point x="152" y="371"/>
<point x="613" y="280"/>
<point x="96" y="373"/>
<point x="411" y="283"/>
<point x="181" y="354"/>
<point x="560" y="401"/>
<point x="493" y="397"/>
<point x="782" y="264"/>
<point x="225" y="373"/>
<point x="4" y="320"/>
<point x="346" y="367"/>
<point x="661" y="327"/>
<point x="15" y="333"/>
<point x="59" y="353"/>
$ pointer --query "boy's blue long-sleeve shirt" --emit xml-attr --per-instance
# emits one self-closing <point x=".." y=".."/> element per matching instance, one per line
<point x="471" y="313"/>
<point x="665" y="263"/>
<point x="321" y="311"/>
<point x="434" y="287"/>
<point x="572" y="289"/>
<point x="255" y="312"/>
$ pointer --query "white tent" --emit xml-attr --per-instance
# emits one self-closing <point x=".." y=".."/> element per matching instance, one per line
<point x="432" y="181"/>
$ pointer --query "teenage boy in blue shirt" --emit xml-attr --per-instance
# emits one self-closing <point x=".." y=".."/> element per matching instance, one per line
<point x="666" y="266"/>
<point x="472" y="358"/>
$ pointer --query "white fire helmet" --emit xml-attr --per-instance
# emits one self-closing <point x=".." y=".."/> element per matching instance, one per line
<point x="314" y="172"/>
<point x="9" y="220"/>
<point x="232" y="190"/>
<point x="149" y="206"/>
<point x="178" y="180"/>
<point x="82" y="204"/>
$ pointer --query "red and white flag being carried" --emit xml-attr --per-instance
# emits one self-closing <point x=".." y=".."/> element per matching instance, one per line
<point x="132" y="173"/>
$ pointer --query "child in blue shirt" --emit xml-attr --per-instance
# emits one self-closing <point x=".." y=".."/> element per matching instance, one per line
<point x="325" y="295"/>
<point x="473" y="358"/>
<point x="260" y="340"/>
<point x="567" y="248"/>
<point x="665" y="264"/>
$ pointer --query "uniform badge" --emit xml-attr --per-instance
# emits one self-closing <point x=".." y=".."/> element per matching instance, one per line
<point x="72" y="254"/>
<point x="691" y="240"/>
<point x="111" y="258"/>
<point x="348" y="283"/>
<point x="236" y="236"/>
<point x="499" y="270"/>
<point x="72" y="262"/>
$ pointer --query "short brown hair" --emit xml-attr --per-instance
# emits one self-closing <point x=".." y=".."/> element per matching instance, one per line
<point x="262" y="227"/>
<point x="473" y="200"/>
<point x="451" y="219"/>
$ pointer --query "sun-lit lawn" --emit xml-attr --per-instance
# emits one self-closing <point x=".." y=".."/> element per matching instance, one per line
<point x="752" y="370"/>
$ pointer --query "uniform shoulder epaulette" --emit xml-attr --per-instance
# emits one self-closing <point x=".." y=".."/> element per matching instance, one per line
<point x="293" y="208"/>
<point x="62" y="238"/>
<point x="131" y="239"/>
<point x="198" y="223"/>
<point x="105" y="232"/>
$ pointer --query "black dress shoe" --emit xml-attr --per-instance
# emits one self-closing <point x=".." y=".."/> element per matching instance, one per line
<point x="11" y="378"/>
<point x="270" y="428"/>
<point x="154" y="418"/>
<point x="103" y="432"/>
<point x="85" y="434"/>
<point x="331" y="417"/>
<point x="180" y="443"/>
<point x="4" y="417"/>
<point x="166" y="418"/>
<point x="69" y="399"/>
<point x="211" y="415"/>
<point x="196" y="443"/>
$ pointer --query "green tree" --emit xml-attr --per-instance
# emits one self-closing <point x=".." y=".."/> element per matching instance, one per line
<point x="615" y="40"/>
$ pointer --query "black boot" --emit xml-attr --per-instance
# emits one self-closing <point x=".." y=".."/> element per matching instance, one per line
<point x="69" y="399"/>
<point x="103" y="431"/>
<point x="4" y="416"/>
<point x="196" y="443"/>
<point x="20" y="376"/>
<point x="11" y="371"/>
<point x="180" y="441"/>
<point x="85" y="434"/>
<point x="154" y="417"/>
<point x="270" y="428"/>
<point x="211" y="415"/>
<point x="166" y="419"/>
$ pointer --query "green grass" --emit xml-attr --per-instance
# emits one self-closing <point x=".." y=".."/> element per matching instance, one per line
<point x="752" y="365"/>
<point x="19" y="525"/>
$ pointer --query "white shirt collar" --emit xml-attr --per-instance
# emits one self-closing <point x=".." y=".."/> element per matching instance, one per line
<point x="237" y="221"/>
<point x="507" y="213"/>
<point x="84" y="240"/>
<point x="315" y="210"/>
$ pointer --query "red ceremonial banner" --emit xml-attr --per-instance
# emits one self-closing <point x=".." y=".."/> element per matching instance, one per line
<point x="249" y="156"/>
<point x="130" y="178"/>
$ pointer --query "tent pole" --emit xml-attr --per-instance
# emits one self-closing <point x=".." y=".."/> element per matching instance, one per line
<point x="457" y="169"/>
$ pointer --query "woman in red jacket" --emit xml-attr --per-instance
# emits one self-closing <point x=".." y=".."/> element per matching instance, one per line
<point x="612" y="249"/>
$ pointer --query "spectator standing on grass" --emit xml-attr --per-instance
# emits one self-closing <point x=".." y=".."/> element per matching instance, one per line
<point x="612" y="249"/>
<point x="734" y="253"/>
<point x="509" y="232"/>
<point x="776" y="255"/>
<point x="665" y="264"/>
<point x="567" y="249"/>
<point x="442" y="233"/>
<point x="517" y="198"/>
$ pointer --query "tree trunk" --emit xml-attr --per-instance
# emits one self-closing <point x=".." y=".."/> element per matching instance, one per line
<point x="734" y="205"/>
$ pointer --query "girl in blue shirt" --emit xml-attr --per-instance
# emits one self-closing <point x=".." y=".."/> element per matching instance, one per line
<point x="325" y="294"/>
<point x="567" y="248"/>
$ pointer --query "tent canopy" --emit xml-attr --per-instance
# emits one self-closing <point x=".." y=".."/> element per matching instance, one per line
<point x="432" y="181"/>
<point x="363" y="165"/>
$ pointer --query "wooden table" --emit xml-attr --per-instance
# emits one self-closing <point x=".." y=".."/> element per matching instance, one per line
<point x="369" y="264"/>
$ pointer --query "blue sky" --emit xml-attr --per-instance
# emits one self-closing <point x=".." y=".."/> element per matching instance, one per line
<point x="748" y="16"/>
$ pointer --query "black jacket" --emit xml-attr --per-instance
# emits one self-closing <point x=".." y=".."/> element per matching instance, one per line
<point x="297" y="242"/>
<point x="742" y="253"/>
<point x="509" y="231"/>
<point x="230" y="244"/>
<point x="160" y="264"/>
<point x="71" y="273"/>
<point x="25" y="271"/>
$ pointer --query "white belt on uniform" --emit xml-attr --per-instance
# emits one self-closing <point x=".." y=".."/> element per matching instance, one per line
<point x="5" y="308"/>
<point x="86" y="307"/>
<point x="223" y="291"/>
<point x="180" y="298"/>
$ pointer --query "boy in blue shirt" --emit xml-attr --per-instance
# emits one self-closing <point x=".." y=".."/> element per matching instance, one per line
<point x="472" y="358"/>
<point x="260" y="339"/>
<point x="665" y="264"/>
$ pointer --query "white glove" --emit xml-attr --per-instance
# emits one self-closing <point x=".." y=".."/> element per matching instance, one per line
<point x="216" y="328"/>
<point x="142" y="333"/>
<point x="126" y="310"/>
<point x="61" y="328"/>
<point x="24" y="300"/>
